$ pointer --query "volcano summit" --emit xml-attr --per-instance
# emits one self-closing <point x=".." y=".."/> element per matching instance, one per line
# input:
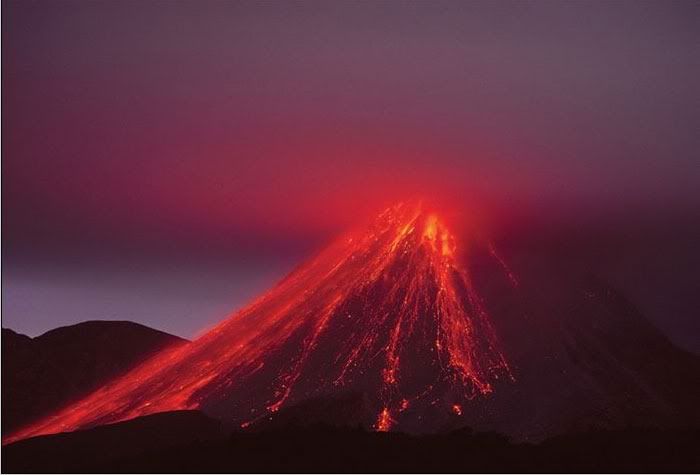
<point x="387" y="313"/>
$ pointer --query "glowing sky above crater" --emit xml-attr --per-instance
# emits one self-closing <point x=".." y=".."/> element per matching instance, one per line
<point x="176" y="118"/>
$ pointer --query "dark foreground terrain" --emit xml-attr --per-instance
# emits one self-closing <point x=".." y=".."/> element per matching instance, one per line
<point x="187" y="441"/>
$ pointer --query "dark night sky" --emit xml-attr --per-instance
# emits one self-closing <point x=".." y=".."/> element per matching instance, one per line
<point x="165" y="161"/>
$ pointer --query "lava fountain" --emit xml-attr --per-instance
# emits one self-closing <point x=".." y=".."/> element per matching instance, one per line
<point x="388" y="313"/>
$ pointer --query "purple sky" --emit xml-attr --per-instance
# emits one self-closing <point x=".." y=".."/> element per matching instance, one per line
<point x="165" y="161"/>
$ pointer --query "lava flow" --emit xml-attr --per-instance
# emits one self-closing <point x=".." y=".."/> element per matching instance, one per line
<point x="387" y="313"/>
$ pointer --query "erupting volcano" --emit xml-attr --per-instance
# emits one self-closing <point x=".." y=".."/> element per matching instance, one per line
<point x="387" y="313"/>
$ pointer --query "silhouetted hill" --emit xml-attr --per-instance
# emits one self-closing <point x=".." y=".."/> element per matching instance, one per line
<point x="189" y="442"/>
<point x="44" y="373"/>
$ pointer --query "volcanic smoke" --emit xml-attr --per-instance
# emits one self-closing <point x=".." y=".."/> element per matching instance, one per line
<point x="387" y="313"/>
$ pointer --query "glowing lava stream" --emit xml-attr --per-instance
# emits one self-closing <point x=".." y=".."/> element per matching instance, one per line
<point x="387" y="313"/>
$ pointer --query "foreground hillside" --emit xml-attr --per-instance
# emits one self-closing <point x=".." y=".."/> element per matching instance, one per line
<point x="189" y="442"/>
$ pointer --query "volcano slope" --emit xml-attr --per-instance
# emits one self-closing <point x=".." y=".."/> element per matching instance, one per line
<point x="394" y="315"/>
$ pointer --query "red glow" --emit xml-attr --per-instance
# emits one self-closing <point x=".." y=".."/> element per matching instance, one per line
<point x="384" y="421"/>
<point x="389" y="311"/>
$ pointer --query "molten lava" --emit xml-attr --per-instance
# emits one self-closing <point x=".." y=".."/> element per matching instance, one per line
<point x="387" y="313"/>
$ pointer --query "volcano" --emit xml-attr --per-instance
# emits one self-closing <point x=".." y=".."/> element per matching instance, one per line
<point x="387" y="313"/>
<point x="427" y="334"/>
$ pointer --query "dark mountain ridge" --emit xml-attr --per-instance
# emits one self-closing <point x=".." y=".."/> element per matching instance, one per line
<point x="42" y="374"/>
